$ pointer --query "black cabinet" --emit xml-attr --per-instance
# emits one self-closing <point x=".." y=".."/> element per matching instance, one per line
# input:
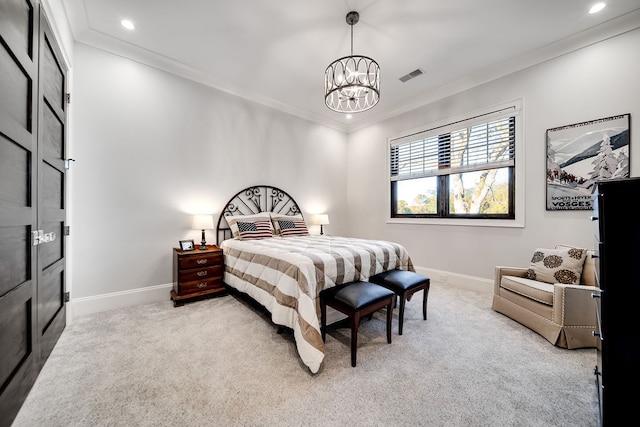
<point x="617" y="244"/>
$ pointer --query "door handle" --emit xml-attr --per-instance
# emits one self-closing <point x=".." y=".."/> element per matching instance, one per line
<point x="40" y="237"/>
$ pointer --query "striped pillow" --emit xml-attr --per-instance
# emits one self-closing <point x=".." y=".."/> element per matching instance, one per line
<point x="276" y="217"/>
<point x="233" y="220"/>
<point x="292" y="227"/>
<point x="258" y="229"/>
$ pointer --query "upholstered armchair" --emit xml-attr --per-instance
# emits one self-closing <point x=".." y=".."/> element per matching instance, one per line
<point x="563" y="313"/>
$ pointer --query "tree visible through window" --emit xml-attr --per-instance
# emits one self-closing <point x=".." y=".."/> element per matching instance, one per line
<point x="465" y="169"/>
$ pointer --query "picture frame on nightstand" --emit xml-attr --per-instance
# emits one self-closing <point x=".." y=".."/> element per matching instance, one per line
<point x="187" y="245"/>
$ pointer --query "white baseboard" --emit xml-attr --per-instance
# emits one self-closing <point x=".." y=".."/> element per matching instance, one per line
<point x="150" y="294"/>
<point x="447" y="278"/>
<point x="88" y="305"/>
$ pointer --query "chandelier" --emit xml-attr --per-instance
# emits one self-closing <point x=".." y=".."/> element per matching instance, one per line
<point x="352" y="83"/>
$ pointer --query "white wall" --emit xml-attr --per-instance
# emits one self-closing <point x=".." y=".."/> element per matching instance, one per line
<point x="151" y="149"/>
<point x="594" y="82"/>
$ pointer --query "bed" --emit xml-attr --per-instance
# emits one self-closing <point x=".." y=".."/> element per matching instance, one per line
<point x="270" y="256"/>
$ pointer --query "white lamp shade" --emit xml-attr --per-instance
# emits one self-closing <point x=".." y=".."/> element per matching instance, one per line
<point x="322" y="219"/>
<point x="202" y="222"/>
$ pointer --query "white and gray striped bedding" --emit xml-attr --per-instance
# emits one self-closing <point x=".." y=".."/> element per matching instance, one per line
<point x="285" y="275"/>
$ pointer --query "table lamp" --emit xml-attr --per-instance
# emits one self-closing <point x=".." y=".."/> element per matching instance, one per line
<point x="322" y="219"/>
<point x="203" y="222"/>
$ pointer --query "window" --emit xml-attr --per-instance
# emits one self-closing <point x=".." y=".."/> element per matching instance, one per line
<point x="465" y="169"/>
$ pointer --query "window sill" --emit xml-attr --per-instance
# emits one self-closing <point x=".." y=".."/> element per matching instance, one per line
<point x="503" y="223"/>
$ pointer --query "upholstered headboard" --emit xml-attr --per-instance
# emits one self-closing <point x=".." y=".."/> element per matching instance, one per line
<point x="253" y="200"/>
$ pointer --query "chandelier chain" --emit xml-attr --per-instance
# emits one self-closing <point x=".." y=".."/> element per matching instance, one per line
<point x="351" y="39"/>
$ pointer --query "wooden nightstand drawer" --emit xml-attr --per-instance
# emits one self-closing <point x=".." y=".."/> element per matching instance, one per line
<point x="200" y="273"/>
<point x="201" y="285"/>
<point x="201" y="260"/>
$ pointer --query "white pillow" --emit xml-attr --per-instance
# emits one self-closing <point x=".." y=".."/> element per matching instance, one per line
<point x="562" y="265"/>
<point x="233" y="219"/>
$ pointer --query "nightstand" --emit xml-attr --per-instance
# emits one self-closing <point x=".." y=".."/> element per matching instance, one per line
<point x="197" y="274"/>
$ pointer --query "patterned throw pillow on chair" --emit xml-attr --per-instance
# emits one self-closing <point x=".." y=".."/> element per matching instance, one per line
<point x="557" y="265"/>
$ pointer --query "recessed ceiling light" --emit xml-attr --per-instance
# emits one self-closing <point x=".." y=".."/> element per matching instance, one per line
<point x="128" y="24"/>
<point x="597" y="7"/>
<point x="348" y="116"/>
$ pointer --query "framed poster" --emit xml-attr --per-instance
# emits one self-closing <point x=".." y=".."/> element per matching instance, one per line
<point x="582" y="154"/>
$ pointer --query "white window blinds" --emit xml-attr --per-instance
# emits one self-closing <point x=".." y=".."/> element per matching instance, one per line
<point x="482" y="142"/>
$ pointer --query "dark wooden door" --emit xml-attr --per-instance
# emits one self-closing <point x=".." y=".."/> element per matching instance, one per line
<point x="19" y="355"/>
<point x="51" y="190"/>
<point x="32" y="215"/>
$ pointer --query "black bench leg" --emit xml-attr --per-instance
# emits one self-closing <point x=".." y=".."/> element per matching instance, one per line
<point x="323" y="325"/>
<point x="424" y="302"/>
<point x="355" y="323"/>
<point x="401" y="314"/>
<point x="390" y="319"/>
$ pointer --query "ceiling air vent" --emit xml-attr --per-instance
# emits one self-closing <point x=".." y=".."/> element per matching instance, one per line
<point x="415" y="73"/>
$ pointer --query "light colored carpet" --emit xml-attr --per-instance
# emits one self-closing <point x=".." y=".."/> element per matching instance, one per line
<point x="221" y="362"/>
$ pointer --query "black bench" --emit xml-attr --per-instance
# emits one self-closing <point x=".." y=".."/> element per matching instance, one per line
<point x="356" y="299"/>
<point x="404" y="284"/>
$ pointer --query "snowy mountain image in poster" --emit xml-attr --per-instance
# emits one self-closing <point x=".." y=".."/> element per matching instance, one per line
<point x="581" y="154"/>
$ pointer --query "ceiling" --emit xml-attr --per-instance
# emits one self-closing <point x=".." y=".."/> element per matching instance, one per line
<point x="275" y="52"/>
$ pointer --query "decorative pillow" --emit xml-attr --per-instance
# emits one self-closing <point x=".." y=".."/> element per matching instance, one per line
<point x="233" y="220"/>
<point x="292" y="227"/>
<point x="276" y="217"/>
<point x="257" y="229"/>
<point x="563" y="265"/>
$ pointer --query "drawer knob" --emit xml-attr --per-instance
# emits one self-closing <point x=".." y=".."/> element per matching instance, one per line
<point x="201" y="273"/>
<point x="201" y="261"/>
<point x="593" y="218"/>
<point x="595" y="295"/>
<point x="201" y="285"/>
